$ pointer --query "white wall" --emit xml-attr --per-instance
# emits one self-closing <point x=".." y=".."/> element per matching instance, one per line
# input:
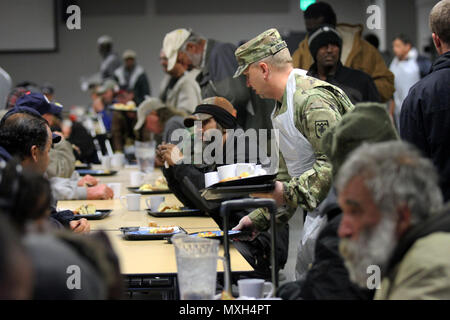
<point x="77" y="55"/>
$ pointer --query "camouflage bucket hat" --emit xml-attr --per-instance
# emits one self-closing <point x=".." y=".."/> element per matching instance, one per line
<point x="266" y="44"/>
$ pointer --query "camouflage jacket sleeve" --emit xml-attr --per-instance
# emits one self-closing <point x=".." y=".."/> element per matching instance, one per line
<point x="261" y="217"/>
<point x="314" y="113"/>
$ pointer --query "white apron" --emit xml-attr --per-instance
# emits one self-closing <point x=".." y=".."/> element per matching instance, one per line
<point x="299" y="156"/>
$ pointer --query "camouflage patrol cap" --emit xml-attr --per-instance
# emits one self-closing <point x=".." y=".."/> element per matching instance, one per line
<point x="266" y="44"/>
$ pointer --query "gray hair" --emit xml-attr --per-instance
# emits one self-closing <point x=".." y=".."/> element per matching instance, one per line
<point x="395" y="173"/>
<point x="193" y="38"/>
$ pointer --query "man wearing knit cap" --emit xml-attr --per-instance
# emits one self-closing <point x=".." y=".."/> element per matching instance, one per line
<point x="325" y="45"/>
<point x="357" y="53"/>
<point x="305" y="108"/>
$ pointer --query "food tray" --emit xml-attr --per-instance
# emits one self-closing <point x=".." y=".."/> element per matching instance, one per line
<point x="105" y="173"/>
<point x="82" y="166"/>
<point x="233" y="192"/>
<point x="98" y="215"/>
<point x="254" y="180"/>
<point x="218" y="234"/>
<point x="155" y="191"/>
<point x="186" y="212"/>
<point x="142" y="233"/>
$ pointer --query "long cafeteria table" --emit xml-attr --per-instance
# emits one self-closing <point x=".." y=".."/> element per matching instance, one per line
<point x="149" y="265"/>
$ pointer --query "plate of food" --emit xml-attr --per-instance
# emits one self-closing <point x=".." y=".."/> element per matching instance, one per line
<point x="84" y="172"/>
<point x="90" y="212"/>
<point x="149" y="189"/>
<point x="218" y="234"/>
<point x="158" y="187"/>
<point x="165" y="210"/>
<point x="151" y="232"/>
<point x="129" y="106"/>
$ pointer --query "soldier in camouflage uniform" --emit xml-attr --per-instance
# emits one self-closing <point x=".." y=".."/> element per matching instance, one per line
<point x="305" y="108"/>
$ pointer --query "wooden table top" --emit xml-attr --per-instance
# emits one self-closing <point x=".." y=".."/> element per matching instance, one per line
<point x="121" y="217"/>
<point x="158" y="256"/>
<point x="149" y="256"/>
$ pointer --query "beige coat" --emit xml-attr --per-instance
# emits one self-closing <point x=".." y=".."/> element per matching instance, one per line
<point x="423" y="273"/>
<point x="185" y="94"/>
<point x="62" y="160"/>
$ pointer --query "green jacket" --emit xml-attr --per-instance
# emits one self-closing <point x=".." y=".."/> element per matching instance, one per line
<point x="317" y="106"/>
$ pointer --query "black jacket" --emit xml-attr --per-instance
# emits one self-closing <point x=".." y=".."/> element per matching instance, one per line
<point x="196" y="173"/>
<point x="358" y="85"/>
<point x="83" y="140"/>
<point x="425" y="118"/>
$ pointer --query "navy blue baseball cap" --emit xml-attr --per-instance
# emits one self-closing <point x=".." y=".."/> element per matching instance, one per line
<point x="40" y="103"/>
<point x="22" y="109"/>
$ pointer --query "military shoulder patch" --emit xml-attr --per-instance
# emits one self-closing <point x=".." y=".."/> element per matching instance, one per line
<point x="320" y="127"/>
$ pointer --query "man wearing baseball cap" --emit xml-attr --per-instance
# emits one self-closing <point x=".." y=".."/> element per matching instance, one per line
<point x="25" y="134"/>
<point x="325" y="45"/>
<point x="216" y="62"/>
<point x="39" y="102"/>
<point x="156" y="118"/>
<point x="179" y="88"/>
<point x="305" y="108"/>
<point x="106" y="92"/>
<point x="62" y="159"/>
<point x="66" y="183"/>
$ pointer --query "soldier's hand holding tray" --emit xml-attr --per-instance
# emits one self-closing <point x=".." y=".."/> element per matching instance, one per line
<point x="277" y="194"/>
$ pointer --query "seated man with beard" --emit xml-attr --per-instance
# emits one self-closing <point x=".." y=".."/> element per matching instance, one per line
<point x="393" y="221"/>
